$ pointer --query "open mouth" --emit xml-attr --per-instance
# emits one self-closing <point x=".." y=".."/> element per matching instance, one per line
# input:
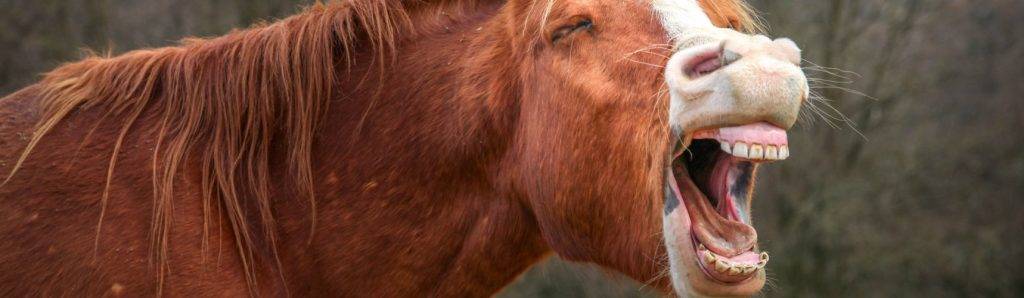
<point x="713" y="178"/>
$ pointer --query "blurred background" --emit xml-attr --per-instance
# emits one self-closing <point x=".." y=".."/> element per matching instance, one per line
<point x="908" y="173"/>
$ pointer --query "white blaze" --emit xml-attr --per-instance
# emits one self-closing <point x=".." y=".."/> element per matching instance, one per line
<point x="680" y="15"/>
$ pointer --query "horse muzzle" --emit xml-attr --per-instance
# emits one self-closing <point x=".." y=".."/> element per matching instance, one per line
<point x="723" y="78"/>
<point x="733" y="96"/>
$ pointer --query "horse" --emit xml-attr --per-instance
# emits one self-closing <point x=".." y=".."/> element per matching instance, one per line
<point x="403" y="148"/>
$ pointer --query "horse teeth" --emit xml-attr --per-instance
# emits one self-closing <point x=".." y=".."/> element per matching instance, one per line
<point x="735" y="270"/>
<point x="764" y="256"/>
<point x="756" y="152"/>
<point x="721" y="266"/>
<point x="709" y="257"/>
<point x="749" y="269"/>
<point x="740" y="150"/>
<point x="771" y="152"/>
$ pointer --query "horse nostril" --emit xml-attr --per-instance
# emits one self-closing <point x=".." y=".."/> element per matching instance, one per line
<point x="728" y="57"/>
<point x="710" y="62"/>
<point x="703" y="65"/>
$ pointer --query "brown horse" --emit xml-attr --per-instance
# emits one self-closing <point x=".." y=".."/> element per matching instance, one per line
<point x="402" y="148"/>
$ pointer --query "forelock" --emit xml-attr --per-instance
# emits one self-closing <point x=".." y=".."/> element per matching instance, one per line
<point x="677" y="16"/>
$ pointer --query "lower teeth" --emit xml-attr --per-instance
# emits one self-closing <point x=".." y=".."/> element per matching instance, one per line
<point x="723" y="265"/>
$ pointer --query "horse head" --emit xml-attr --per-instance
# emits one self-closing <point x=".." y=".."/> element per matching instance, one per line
<point x="627" y="106"/>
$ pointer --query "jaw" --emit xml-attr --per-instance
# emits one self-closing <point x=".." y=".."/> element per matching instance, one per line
<point x="688" y="277"/>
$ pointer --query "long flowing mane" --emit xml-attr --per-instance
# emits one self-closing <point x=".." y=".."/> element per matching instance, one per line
<point x="223" y="102"/>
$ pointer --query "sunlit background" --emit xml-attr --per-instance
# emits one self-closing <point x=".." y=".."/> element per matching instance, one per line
<point x="907" y="175"/>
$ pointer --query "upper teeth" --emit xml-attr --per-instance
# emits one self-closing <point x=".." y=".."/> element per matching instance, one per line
<point x="756" y="151"/>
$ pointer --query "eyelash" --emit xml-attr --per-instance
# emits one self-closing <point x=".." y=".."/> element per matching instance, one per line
<point x="584" y="24"/>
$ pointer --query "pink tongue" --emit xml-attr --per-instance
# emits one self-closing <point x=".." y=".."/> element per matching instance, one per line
<point x="723" y="176"/>
<point x="747" y="258"/>
<point x="757" y="133"/>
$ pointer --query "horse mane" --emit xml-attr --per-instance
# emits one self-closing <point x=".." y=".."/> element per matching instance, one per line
<point x="737" y="14"/>
<point x="222" y="103"/>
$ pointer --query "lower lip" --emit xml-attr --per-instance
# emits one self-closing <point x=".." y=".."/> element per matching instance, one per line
<point x="707" y="272"/>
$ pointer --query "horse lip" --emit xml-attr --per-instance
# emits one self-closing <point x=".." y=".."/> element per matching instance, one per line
<point x="721" y="277"/>
<point x="676" y="147"/>
<point x="672" y="201"/>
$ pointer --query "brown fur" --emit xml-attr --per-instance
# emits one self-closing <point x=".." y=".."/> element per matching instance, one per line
<point x="431" y="124"/>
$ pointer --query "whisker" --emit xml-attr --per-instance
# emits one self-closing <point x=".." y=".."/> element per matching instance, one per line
<point x="827" y="81"/>
<point x="644" y="63"/>
<point x="643" y="51"/>
<point x="847" y="90"/>
<point x="832" y="113"/>
<point x="655" y="53"/>
<point x="831" y="70"/>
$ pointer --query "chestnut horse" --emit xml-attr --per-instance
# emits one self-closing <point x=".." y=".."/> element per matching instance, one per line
<point x="402" y="148"/>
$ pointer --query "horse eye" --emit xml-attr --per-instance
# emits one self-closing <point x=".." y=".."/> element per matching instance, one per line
<point x="562" y="32"/>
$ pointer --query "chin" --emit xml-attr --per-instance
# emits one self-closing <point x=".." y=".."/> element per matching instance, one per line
<point x="691" y="278"/>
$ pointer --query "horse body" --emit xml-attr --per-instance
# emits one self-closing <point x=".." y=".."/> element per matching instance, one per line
<point x="346" y="152"/>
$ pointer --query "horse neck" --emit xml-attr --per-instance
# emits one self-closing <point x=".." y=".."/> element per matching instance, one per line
<point x="417" y="134"/>
<point x="438" y="101"/>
